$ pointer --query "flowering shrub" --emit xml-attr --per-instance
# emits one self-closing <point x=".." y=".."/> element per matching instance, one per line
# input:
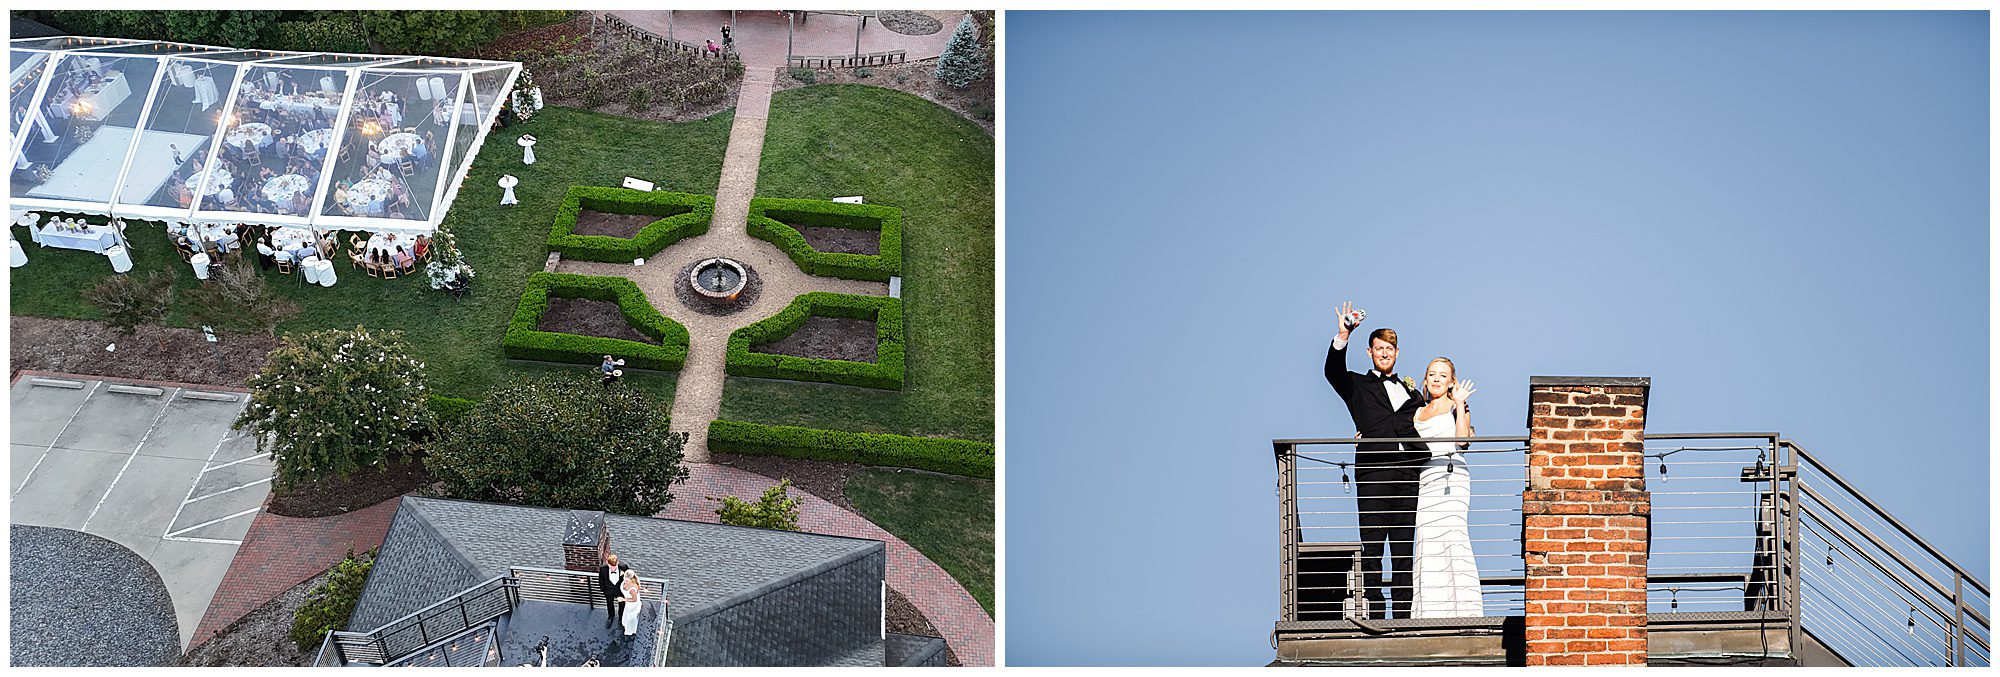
<point x="335" y="401"/>
<point x="563" y="441"/>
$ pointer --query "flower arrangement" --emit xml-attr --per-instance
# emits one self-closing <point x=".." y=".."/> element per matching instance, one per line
<point x="527" y="98"/>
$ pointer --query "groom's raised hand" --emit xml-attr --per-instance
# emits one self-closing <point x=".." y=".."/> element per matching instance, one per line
<point x="1340" y="318"/>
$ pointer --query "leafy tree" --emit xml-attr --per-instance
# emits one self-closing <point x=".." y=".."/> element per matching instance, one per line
<point x="962" y="62"/>
<point x="239" y="298"/>
<point x="774" y="510"/>
<point x="231" y="28"/>
<point x="329" y="605"/>
<point x="564" y="441"/>
<point x="335" y="401"/>
<point x="438" y="32"/>
<point x="129" y="301"/>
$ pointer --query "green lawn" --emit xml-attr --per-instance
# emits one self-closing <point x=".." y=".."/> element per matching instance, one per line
<point x="949" y="519"/>
<point x="896" y="149"/>
<point x="459" y="341"/>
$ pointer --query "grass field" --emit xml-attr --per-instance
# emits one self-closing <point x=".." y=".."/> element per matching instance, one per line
<point x="458" y="340"/>
<point x="949" y="519"/>
<point x="899" y="150"/>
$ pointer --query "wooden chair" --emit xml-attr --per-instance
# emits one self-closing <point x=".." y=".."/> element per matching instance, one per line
<point x="187" y="252"/>
<point x="354" y="258"/>
<point x="284" y="265"/>
<point x="252" y="154"/>
<point x="389" y="270"/>
<point x="369" y="265"/>
<point x="407" y="168"/>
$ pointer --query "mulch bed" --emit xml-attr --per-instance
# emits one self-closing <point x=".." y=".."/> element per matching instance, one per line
<point x="842" y="240"/>
<point x="586" y="317"/>
<point x="827" y="338"/>
<point x="828" y="480"/>
<point x="364" y="488"/>
<point x="684" y="290"/>
<point x="910" y="23"/>
<point x="261" y="638"/>
<point x="611" y="225"/>
<point x="151" y="353"/>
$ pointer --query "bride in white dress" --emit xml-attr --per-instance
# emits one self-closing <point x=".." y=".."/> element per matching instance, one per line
<point x="1447" y="576"/>
<point x="629" y="593"/>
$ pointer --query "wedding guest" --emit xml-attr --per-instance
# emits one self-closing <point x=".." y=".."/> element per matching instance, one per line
<point x="608" y="365"/>
<point x="176" y="152"/>
<point x="404" y="261"/>
<point x="611" y="377"/>
<point x="423" y="246"/>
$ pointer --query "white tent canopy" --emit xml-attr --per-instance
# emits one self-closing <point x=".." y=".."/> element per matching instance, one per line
<point x="190" y="133"/>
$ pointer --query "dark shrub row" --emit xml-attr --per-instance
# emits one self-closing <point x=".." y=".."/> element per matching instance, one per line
<point x="957" y="457"/>
<point x="682" y="215"/>
<point x="525" y="342"/>
<point x="886" y="372"/>
<point x="769" y="216"/>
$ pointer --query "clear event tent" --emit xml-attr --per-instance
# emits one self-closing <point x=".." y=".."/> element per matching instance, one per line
<point x="197" y="134"/>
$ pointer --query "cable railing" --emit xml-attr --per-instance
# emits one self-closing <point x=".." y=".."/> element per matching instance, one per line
<point x="1740" y="523"/>
<point x="1873" y="590"/>
<point x="447" y="618"/>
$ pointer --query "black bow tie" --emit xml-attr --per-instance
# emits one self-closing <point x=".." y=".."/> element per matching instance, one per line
<point x="1390" y="378"/>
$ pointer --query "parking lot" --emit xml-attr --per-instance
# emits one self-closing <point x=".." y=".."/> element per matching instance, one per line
<point x="154" y="468"/>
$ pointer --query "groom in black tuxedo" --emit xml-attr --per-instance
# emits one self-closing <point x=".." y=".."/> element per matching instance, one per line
<point x="1382" y="406"/>
<point x="609" y="587"/>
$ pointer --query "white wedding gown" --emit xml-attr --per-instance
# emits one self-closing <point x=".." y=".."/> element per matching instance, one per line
<point x="631" y="619"/>
<point x="1447" y="576"/>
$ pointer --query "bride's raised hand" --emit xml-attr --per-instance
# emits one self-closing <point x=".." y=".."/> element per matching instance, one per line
<point x="1462" y="391"/>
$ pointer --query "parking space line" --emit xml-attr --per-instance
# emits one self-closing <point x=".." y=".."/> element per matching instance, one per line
<point x="240" y="460"/>
<point x="59" y="434"/>
<point x="224" y="491"/>
<point x="197" y="481"/>
<point x="168" y="404"/>
<point x="213" y="521"/>
<point x="191" y="539"/>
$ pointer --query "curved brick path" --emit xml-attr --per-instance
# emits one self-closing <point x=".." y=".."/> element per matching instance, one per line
<point x="954" y="612"/>
<point x="281" y="552"/>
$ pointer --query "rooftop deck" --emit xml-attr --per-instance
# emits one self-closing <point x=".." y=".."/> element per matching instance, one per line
<point x="505" y="621"/>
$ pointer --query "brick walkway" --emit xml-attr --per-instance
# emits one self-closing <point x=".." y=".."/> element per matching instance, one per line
<point x="281" y="552"/>
<point x="698" y="393"/>
<point x="954" y="612"/>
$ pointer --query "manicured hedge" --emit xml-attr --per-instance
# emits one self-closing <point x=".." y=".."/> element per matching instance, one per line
<point x="450" y="409"/>
<point x="886" y="372"/>
<point x="957" y="457"/>
<point x="524" y="342"/>
<point x="769" y="216"/>
<point x="682" y="215"/>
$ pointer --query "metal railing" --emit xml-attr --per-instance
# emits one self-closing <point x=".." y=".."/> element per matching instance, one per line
<point x="1740" y="522"/>
<point x="847" y="60"/>
<point x="448" y="618"/>
<point x="580" y="587"/>
<point x="620" y="26"/>
<point x="1873" y="590"/>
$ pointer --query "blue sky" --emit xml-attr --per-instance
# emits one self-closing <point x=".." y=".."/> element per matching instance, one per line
<point x="1779" y="217"/>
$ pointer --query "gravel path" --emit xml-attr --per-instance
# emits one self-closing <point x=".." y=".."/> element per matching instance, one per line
<point x="698" y="394"/>
<point x="120" y="616"/>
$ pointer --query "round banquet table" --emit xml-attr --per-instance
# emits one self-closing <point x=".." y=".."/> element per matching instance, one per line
<point x="250" y="132"/>
<point x="396" y="147"/>
<point x="281" y="189"/>
<point x="368" y="196"/>
<point x="314" y="142"/>
<point x="218" y="179"/>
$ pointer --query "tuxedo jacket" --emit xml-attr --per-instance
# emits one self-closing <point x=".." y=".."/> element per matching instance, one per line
<point x="604" y="579"/>
<point x="1368" y="403"/>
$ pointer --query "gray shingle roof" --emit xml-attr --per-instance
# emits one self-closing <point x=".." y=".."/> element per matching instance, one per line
<point x="438" y="547"/>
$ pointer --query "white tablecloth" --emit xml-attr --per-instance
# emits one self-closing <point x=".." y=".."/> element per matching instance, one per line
<point x="368" y="197"/>
<point x="301" y="103"/>
<point x="286" y="238"/>
<point x="251" y="132"/>
<point x="106" y="97"/>
<point x="281" y="189"/>
<point x="381" y="242"/>
<point x="93" y="239"/>
<point x="218" y="179"/>
<point x="396" y="147"/>
<point x="315" y="141"/>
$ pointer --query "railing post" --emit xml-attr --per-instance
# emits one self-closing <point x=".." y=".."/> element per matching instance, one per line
<point x="1957" y="619"/>
<point x="1791" y="579"/>
<point x="1288" y="542"/>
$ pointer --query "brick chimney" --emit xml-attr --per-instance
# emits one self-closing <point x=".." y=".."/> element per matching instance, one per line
<point x="1584" y="520"/>
<point x="585" y="541"/>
